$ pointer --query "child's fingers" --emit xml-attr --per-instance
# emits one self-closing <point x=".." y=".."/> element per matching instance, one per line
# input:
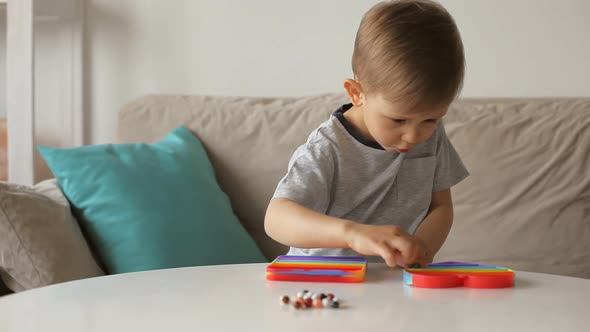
<point x="405" y="248"/>
<point x="420" y="255"/>
<point x="400" y="260"/>
<point x="409" y="252"/>
<point x="388" y="255"/>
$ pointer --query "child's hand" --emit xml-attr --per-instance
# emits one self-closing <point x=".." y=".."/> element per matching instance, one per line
<point x="427" y="257"/>
<point x="391" y="242"/>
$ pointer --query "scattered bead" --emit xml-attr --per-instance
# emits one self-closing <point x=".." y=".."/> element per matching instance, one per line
<point x="317" y="303"/>
<point x="306" y="299"/>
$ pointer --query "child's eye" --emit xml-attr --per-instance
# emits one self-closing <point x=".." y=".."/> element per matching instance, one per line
<point x="400" y="121"/>
<point x="432" y="120"/>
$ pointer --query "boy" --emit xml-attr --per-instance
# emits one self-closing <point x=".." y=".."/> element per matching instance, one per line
<point x="375" y="178"/>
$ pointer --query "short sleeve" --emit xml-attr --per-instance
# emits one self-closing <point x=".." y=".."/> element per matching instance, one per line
<point x="450" y="169"/>
<point x="309" y="178"/>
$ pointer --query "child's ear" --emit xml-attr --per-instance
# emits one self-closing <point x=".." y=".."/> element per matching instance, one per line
<point x="355" y="92"/>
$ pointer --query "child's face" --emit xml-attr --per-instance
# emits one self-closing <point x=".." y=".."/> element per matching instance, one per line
<point x="397" y="128"/>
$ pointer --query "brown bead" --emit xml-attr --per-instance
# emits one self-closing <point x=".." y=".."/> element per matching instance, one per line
<point x="317" y="303"/>
<point x="285" y="299"/>
<point x="307" y="302"/>
<point x="331" y="296"/>
<point x="297" y="305"/>
<point x="322" y="296"/>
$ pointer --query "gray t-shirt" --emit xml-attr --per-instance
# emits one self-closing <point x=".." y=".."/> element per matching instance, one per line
<point x="337" y="174"/>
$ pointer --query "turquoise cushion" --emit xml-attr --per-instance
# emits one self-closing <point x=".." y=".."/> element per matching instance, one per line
<point x="151" y="206"/>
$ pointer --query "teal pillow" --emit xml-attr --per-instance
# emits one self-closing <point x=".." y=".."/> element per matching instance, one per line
<point x="151" y="206"/>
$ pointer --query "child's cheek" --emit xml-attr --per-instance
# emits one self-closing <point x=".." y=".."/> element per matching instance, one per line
<point x="389" y="137"/>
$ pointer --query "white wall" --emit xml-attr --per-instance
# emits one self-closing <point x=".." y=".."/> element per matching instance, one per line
<point x="274" y="48"/>
<point x="2" y="60"/>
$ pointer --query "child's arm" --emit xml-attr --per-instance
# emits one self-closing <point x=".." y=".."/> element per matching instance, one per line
<point x="294" y="225"/>
<point x="436" y="225"/>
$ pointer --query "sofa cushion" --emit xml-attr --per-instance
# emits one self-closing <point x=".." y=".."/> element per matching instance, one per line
<point x="40" y="241"/>
<point x="526" y="204"/>
<point x="152" y="206"/>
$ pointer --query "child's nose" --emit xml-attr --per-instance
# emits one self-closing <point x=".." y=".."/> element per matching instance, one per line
<point x="411" y="136"/>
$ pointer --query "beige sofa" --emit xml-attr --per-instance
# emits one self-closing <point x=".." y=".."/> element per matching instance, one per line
<point x="526" y="204"/>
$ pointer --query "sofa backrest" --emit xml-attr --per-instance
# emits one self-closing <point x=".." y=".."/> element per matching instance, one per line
<point x="526" y="204"/>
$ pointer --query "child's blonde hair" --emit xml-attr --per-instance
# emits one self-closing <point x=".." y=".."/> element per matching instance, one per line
<point x="411" y="51"/>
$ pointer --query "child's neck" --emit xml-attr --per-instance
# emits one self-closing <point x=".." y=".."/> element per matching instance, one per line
<point x="355" y="117"/>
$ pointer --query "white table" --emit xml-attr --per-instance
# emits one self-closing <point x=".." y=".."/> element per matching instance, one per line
<point x="238" y="298"/>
